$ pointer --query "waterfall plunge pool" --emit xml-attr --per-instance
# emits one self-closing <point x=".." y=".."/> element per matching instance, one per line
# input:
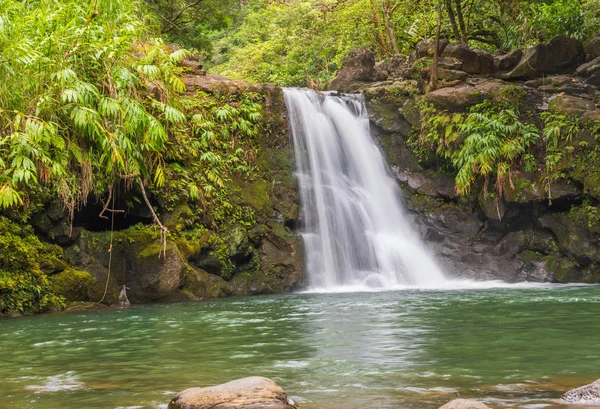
<point x="511" y="347"/>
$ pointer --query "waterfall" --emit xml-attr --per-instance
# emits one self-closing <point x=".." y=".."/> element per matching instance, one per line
<point x="356" y="231"/>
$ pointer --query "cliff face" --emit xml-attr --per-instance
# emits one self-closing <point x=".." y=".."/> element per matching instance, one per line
<point x="250" y="249"/>
<point x="537" y="221"/>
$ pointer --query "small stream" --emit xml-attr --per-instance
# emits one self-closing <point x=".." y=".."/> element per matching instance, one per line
<point x="511" y="347"/>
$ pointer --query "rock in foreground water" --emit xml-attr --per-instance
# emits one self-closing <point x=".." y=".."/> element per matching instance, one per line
<point x="465" y="404"/>
<point x="585" y="394"/>
<point x="254" y="392"/>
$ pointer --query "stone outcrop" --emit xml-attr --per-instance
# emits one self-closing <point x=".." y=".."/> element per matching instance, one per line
<point x="559" y="55"/>
<point x="465" y="404"/>
<point x="592" y="48"/>
<point x="454" y="98"/>
<point x="198" y="260"/>
<point x="247" y="393"/>
<point x="541" y="228"/>
<point x="590" y="72"/>
<point x="358" y="67"/>
<point x="426" y="48"/>
<point x="588" y="394"/>
<point x="472" y="61"/>
<point x="505" y="62"/>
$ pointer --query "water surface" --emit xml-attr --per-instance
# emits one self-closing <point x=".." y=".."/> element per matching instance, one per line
<point x="402" y="349"/>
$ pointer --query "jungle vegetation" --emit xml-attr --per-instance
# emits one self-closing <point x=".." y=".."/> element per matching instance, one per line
<point x="92" y="104"/>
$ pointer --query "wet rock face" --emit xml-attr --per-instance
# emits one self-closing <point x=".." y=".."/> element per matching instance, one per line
<point x="247" y="393"/>
<point x="561" y="54"/>
<point x="588" y="394"/>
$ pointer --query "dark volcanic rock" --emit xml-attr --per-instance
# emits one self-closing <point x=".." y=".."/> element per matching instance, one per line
<point x="426" y="48"/>
<point x="561" y="54"/>
<point x="358" y="66"/>
<point x="592" y="48"/>
<point x="508" y="61"/>
<point x="473" y="61"/>
<point x="454" y="98"/>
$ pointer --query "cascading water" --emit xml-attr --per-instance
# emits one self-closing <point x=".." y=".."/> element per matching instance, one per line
<point x="356" y="232"/>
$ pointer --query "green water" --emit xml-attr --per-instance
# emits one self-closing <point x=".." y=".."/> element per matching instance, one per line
<point x="405" y="349"/>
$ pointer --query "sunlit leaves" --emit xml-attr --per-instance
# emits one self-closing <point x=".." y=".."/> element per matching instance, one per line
<point x="76" y="69"/>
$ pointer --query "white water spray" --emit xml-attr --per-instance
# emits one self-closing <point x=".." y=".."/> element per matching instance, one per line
<point x="356" y="232"/>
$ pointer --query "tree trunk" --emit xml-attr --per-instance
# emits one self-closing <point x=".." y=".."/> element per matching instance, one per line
<point x="388" y="27"/>
<point x="461" y="21"/>
<point x="453" y="20"/>
<point x="378" y="34"/>
<point x="433" y="81"/>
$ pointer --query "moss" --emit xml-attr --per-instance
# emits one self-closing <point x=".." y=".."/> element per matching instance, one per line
<point x="522" y="190"/>
<point x="563" y="269"/>
<point x="179" y="219"/>
<point x="202" y="285"/>
<point x="24" y="265"/>
<point x="530" y="256"/>
<point x="257" y="194"/>
<point x="76" y="285"/>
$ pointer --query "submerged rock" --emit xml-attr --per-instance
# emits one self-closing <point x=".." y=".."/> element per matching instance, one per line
<point x="254" y="392"/>
<point x="465" y="404"/>
<point x="585" y="394"/>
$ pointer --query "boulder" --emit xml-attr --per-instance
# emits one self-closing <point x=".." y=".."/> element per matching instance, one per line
<point x="358" y="66"/>
<point x="473" y="61"/>
<point x="388" y="117"/>
<point x="454" y="98"/>
<point x="451" y="75"/>
<point x="589" y="394"/>
<point x="248" y="393"/>
<point x="382" y="71"/>
<point x="465" y="404"/>
<point x="508" y="61"/>
<point x="561" y="54"/>
<point x="398" y="67"/>
<point x="570" y="105"/>
<point x="425" y="48"/>
<point x="590" y="71"/>
<point x="592" y="48"/>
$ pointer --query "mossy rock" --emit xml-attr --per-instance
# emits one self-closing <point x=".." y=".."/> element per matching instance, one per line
<point x="570" y="105"/>
<point x="179" y="219"/>
<point x="76" y="285"/>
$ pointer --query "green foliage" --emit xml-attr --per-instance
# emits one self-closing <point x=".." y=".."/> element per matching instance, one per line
<point x="218" y="143"/>
<point x="287" y="42"/>
<point x="489" y="141"/>
<point x="72" y="112"/>
<point x="191" y="23"/>
<point x="495" y="142"/>
<point x="24" y="264"/>
<point x="556" y="17"/>
<point x="559" y="126"/>
<point x="75" y="285"/>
